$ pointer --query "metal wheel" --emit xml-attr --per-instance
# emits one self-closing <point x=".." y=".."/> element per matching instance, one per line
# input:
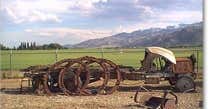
<point x="185" y="83"/>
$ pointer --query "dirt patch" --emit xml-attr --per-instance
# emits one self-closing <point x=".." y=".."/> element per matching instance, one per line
<point x="121" y="99"/>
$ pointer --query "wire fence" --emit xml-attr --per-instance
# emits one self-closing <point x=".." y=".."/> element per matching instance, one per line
<point x="16" y="60"/>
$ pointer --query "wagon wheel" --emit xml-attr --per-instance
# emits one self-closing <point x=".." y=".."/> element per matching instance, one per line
<point x="82" y="79"/>
<point x="47" y="81"/>
<point x="113" y="71"/>
<point x="80" y="76"/>
<point x="105" y="77"/>
<point x="53" y="82"/>
<point x="104" y="65"/>
<point x="69" y="81"/>
<point x="40" y="90"/>
<point x="185" y="83"/>
<point x="107" y="66"/>
<point x="34" y="84"/>
<point x="86" y="89"/>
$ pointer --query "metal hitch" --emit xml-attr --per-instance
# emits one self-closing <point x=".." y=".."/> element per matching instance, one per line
<point x="154" y="102"/>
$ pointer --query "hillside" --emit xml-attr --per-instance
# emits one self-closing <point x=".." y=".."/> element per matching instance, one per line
<point x="183" y="35"/>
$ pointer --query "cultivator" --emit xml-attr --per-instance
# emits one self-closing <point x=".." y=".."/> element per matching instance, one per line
<point x="89" y="75"/>
<point x="80" y="76"/>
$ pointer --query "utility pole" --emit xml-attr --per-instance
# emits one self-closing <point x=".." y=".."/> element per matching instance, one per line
<point x="102" y="51"/>
<point x="10" y="61"/>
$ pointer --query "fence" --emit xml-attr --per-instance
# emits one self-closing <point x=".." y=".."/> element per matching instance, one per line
<point x="16" y="60"/>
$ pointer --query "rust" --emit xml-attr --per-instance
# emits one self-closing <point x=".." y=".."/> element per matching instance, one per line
<point x="90" y="75"/>
<point x="72" y="76"/>
<point x="184" y="65"/>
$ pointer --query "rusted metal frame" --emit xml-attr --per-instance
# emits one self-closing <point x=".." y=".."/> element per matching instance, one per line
<point x="136" y="94"/>
<point x="76" y="81"/>
<point x="91" y="60"/>
<point x="162" y="105"/>
<point x="106" y="79"/>
<point x="103" y="63"/>
<point x="84" y="62"/>
<point x="81" y="89"/>
<point x="39" y="86"/>
<point x="118" y="76"/>
<point x="51" y="69"/>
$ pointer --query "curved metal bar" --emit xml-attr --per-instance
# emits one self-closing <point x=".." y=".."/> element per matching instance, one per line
<point x="65" y="65"/>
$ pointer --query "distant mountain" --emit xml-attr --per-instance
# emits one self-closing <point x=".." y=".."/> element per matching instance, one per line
<point x="182" y="35"/>
<point x="68" y="46"/>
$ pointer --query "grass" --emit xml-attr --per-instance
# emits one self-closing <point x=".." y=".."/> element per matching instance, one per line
<point x="24" y="58"/>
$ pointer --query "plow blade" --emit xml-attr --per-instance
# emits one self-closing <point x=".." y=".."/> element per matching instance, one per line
<point x="155" y="102"/>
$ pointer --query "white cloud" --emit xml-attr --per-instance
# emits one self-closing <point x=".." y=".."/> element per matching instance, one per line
<point x="28" y="30"/>
<point x="63" y="35"/>
<point x="20" y="11"/>
<point x="180" y="16"/>
<point x="11" y="13"/>
<point x="114" y="16"/>
<point x="45" y="34"/>
<point x="166" y="18"/>
<point x="45" y="10"/>
<point x="40" y="16"/>
<point x="82" y="34"/>
<point x="113" y="10"/>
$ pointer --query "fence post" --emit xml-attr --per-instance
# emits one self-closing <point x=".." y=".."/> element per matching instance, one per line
<point x="197" y="55"/>
<point x="56" y="55"/>
<point x="10" y="61"/>
<point x="102" y="52"/>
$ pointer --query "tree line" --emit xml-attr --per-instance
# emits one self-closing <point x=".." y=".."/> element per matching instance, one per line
<point x="2" y="47"/>
<point x="33" y="46"/>
<point x="27" y="46"/>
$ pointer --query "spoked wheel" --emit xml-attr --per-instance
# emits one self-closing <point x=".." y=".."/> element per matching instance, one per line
<point x="185" y="83"/>
<point x="69" y="80"/>
<point x="53" y="82"/>
<point x="114" y="77"/>
<point x="40" y="90"/>
<point x="74" y="76"/>
<point x="95" y="76"/>
<point x="51" y="78"/>
<point x="38" y="87"/>
<point x="102" y="78"/>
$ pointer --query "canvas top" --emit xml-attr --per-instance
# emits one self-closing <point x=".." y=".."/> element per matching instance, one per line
<point x="162" y="52"/>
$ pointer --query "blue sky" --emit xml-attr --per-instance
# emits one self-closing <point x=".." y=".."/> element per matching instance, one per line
<point x="73" y="21"/>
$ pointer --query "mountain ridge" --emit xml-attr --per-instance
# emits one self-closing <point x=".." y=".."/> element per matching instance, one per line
<point x="183" y="35"/>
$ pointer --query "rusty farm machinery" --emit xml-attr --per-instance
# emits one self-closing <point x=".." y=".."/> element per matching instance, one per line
<point x="90" y="76"/>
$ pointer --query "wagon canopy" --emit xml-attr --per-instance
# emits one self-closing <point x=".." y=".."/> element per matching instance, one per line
<point x="163" y="52"/>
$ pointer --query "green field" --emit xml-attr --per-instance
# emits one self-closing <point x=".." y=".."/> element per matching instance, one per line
<point x="24" y="58"/>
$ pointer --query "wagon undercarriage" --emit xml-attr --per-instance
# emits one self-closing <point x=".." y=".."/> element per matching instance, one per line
<point x="89" y="75"/>
<point x="80" y="76"/>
